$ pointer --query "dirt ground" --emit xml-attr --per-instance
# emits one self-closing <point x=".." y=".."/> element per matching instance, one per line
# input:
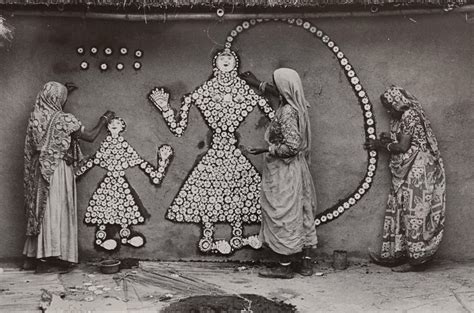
<point x="156" y="286"/>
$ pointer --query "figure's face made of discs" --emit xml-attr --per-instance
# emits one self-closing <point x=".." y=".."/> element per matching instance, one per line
<point x="115" y="127"/>
<point x="225" y="62"/>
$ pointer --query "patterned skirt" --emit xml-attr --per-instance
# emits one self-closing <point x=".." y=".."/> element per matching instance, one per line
<point x="415" y="215"/>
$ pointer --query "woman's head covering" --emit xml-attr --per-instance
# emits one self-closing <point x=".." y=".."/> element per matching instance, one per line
<point x="52" y="96"/>
<point x="401" y="100"/>
<point x="48" y="138"/>
<point x="49" y="100"/>
<point x="290" y="87"/>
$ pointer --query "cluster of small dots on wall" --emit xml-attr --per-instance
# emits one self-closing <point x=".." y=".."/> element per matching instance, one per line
<point x="108" y="52"/>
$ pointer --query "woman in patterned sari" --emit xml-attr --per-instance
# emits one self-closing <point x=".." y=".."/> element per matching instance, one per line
<point x="415" y="214"/>
<point x="51" y="151"/>
<point x="288" y="197"/>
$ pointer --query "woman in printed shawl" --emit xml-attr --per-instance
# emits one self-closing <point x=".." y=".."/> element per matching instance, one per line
<point x="415" y="214"/>
<point x="51" y="151"/>
<point x="288" y="197"/>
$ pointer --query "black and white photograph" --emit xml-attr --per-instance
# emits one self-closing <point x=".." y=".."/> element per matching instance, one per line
<point x="237" y="156"/>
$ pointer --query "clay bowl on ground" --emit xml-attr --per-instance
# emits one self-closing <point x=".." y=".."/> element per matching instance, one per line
<point x="110" y="266"/>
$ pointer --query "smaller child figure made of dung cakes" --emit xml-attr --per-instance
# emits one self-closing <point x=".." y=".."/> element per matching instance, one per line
<point x="114" y="205"/>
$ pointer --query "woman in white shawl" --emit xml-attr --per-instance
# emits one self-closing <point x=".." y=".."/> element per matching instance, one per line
<point x="288" y="197"/>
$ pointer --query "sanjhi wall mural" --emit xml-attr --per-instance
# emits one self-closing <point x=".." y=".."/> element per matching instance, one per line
<point x="115" y="206"/>
<point x="224" y="187"/>
<point x="363" y="101"/>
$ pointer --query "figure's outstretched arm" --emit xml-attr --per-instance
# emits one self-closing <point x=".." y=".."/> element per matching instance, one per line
<point x="264" y="106"/>
<point x="176" y="124"/>
<point x="86" y="164"/>
<point x="156" y="174"/>
<point x="264" y="88"/>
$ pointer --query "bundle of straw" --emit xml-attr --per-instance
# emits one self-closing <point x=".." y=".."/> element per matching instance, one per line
<point x="6" y="30"/>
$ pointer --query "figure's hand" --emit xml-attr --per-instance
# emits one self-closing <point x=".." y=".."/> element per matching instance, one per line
<point x="70" y="87"/>
<point x="160" y="99"/>
<point x="164" y="152"/>
<point x="250" y="78"/>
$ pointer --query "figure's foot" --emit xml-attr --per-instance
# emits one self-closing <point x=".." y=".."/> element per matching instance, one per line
<point x="281" y="271"/>
<point x="376" y="259"/>
<point x="253" y="242"/>
<point x="109" y="244"/>
<point x="223" y="247"/>
<point x="136" y="241"/>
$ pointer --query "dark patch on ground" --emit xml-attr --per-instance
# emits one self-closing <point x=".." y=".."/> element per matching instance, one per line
<point x="229" y="304"/>
<point x="128" y="263"/>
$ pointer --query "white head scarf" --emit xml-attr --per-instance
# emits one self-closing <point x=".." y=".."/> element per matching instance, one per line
<point x="290" y="87"/>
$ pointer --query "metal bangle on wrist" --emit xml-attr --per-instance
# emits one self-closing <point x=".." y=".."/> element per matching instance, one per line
<point x="388" y="146"/>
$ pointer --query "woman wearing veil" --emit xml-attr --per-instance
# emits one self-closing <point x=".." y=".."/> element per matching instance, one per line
<point x="288" y="197"/>
<point x="51" y="151"/>
<point x="415" y="213"/>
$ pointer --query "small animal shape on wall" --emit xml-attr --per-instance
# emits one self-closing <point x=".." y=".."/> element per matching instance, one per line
<point x="114" y="205"/>
<point x="224" y="187"/>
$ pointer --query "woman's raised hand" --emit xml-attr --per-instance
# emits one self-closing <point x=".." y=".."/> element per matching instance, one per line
<point x="108" y="115"/>
<point x="250" y="78"/>
<point x="70" y="87"/>
<point x="372" y="144"/>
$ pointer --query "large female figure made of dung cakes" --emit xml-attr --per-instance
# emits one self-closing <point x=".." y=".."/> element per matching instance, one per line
<point x="224" y="187"/>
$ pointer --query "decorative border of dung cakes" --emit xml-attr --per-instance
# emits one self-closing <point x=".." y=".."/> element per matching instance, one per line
<point x="349" y="201"/>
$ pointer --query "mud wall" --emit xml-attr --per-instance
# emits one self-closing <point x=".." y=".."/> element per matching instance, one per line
<point x="429" y="55"/>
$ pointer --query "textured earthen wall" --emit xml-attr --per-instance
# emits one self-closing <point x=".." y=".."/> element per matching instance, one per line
<point x="431" y="56"/>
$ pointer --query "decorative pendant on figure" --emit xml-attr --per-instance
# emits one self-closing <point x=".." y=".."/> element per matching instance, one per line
<point x="114" y="205"/>
<point x="224" y="187"/>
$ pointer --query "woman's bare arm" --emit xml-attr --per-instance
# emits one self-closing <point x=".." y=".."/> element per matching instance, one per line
<point x="90" y="135"/>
